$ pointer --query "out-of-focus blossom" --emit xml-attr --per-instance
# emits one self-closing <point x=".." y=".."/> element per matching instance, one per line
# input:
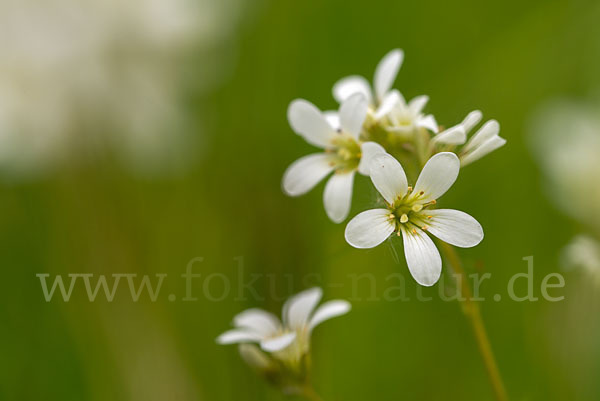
<point x="408" y="116"/>
<point x="583" y="252"/>
<point x="289" y="339"/>
<point x="566" y="142"/>
<point x="78" y="78"/>
<point x="381" y="99"/>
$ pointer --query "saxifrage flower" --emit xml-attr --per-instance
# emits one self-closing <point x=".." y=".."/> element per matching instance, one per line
<point x="410" y="213"/>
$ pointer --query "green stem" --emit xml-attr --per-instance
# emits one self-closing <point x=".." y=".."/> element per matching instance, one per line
<point x="473" y="314"/>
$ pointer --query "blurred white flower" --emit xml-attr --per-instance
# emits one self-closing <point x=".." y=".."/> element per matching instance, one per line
<point x="566" y="142"/>
<point x="408" y="213"/>
<point x="380" y="99"/>
<point x="80" y="76"/>
<point x="255" y="358"/>
<point x="344" y="153"/>
<point x="583" y="252"/>
<point x="406" y="117"/>
<point x="287" y="340"/>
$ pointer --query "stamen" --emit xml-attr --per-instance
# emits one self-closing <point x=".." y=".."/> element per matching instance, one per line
<point x="414" y="230"/>
<point x="391" y="217"/>
<point x="424" y="228"/>
<point x="398" y="233"/>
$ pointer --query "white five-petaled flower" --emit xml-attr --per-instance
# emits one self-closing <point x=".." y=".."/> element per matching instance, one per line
<point x="484" y="141"/>
<point x="344" y="152"/>
<point x="409" y="213"/>
<point x="288" y="340"/>
<point x="381" y="99"/>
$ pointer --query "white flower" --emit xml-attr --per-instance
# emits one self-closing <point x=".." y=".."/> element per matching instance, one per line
<point x="288" y="340"/>
<point x="409" y="213"/>
<point x="344" y="153"/>
<point x="406" y="117"/>
<point x="381" y="99"/>
<point x="484" y="141"/>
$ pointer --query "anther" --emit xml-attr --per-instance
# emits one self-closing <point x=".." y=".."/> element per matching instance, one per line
<point x="414" y="230"/>
<point x="404" y="218"/>
<point x="424" y="228"/>
<point x="391" y="217"/>
<point x="417" y="207"/>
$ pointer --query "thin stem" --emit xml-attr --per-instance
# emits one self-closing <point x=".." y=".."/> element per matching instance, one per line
<point x="473" y="314"/>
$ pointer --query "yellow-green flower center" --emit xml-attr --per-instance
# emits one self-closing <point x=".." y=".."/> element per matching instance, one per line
<point x="346" y="153"/>
<point x="410" y="211"/>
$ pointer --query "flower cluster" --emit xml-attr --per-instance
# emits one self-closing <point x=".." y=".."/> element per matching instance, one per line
<point x="377" y="133"/>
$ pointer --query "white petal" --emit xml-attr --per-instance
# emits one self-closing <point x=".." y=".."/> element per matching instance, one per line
<point x="327" y="311"/>
<point x="277" y="343"/>
<point x="238" y="336"/>
<point x="307" y="120"/>
<point x="422" y="257"/>
<point x="471" y="120"/>
<point x="352" y="114"/>
<point x="388" y="177"/>
<point x="388" y="103"/>
<point x="428" y="122"/>
<point x="298" y="308"/>
<point x="337" y="196"/>
<point x="303" y="174"/>
<point x="417" y="104"/>
<point x="487" y="147"/>
<point x="346" y="87"/>
<point x="386" y="71"/>
<point x="455" y="227"/>
<point x="489" y="130"/>
<point x="332" y="118"/>
<point x="452" y="136"/>
<point x="257" y="320"/>
<point x="369" y="229"/>
<point x="254" y="357"/>
<point x="368" y="152"/>
<point x="438" y="175"/>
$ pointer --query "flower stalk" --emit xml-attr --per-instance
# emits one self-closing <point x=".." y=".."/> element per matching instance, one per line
<point x="473" y="315"/>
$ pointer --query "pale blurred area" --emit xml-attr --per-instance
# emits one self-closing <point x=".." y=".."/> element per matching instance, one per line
<point x="566" y="143"/>
<point x="101" y="83"/>
<point x="565" y="140"/>
<point x="83" y="79"/>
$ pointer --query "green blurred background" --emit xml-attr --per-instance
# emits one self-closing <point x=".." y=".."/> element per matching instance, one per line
<point x="96" y="215"/>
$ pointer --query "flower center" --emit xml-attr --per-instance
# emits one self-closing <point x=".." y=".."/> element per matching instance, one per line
<point x="346" y="153"/>
<point x="410" y="211"/>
